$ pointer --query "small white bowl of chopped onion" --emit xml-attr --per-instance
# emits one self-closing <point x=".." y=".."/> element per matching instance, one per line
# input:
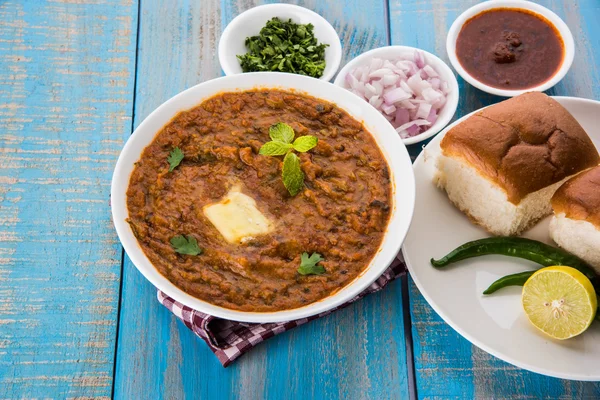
<point x="413" y="89"/>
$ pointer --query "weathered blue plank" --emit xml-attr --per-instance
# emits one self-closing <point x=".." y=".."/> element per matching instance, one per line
<point x="448" y="366"/>
<point x="355" y="353"/>
<point x="176" y="50"/>
<point x="66" y="85"/>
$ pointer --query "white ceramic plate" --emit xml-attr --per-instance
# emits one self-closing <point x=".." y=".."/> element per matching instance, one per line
<point x="494" y="323"/>
<point x="401" y="176"/>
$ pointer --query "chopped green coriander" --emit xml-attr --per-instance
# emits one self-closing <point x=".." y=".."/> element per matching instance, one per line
<point x="174" y="158"/>
<point x="286" y="47"/>
<point x="310" y="265"/>
<point x="186" y="245"/>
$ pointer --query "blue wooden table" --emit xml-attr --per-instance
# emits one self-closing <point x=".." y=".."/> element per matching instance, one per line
<point x="76" y="318"/>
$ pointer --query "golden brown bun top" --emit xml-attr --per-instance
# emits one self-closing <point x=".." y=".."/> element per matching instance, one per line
<point x="522" y="144"/>
<point x="579" y="197"/>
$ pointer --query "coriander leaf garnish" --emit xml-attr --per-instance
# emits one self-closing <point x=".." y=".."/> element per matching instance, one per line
<point x="293" y="178"/>
<point x="275" y="148"/>
<point x="174" y="158"/>
<point x="284" y="46"/>
<point x="309" y="265"/>
<point x="305" y="143"/>
<point x="281" y="132"/>
<point x="186" y="245"/>
<point x="283" y="143"/>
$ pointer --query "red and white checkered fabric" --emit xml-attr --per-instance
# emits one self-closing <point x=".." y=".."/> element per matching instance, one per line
<point x="230" y="339"/>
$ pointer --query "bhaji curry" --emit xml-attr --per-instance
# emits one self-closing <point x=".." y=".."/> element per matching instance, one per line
<point x="334" y="225"/>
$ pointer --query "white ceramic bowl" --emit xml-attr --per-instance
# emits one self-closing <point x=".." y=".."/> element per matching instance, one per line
<point x="396" y="52"/>
<point x="250" y="22"/>
<point x="562" y="28"/>
<point x="401" y="177"/>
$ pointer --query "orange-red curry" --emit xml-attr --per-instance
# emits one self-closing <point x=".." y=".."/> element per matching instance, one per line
<point x="342" y="212"/>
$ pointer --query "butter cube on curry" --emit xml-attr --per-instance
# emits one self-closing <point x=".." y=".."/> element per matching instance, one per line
<point x="237" y="218"/>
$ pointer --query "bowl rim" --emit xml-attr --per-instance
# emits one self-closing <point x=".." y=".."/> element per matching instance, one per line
<point x="399" y="164"/>
<point x="559" y="24"/>
<point x="452" y="98"/>
<point x="333" y="39"/>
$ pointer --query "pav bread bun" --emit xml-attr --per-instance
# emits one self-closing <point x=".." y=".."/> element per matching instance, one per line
<point x="502" y="165"/>
<point x="575" y="225"/>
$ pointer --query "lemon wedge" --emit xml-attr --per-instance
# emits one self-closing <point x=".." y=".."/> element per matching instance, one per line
<point x="559" y="301"/>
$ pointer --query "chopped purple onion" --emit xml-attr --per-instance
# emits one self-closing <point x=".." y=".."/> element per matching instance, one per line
<point x="408" y="92"/>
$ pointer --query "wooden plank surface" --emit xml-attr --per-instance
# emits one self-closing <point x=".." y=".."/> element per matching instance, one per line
<point x="355" y="353"/>
<point x="66" y="83"/>
<point x="448" y="366"/>
<point x="67" y="71"/>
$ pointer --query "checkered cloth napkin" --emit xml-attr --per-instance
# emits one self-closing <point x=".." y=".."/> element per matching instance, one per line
<point x="231" y="339"/>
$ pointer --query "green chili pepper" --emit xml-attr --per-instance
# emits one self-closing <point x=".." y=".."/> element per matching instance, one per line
<point x="517" y="279"/>
<point x="528" y="249"/>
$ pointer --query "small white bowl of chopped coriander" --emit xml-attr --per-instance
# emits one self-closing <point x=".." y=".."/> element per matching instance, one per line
<point x="280" y="38"/>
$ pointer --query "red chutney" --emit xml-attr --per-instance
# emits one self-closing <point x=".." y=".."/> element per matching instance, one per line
<point x="510" y="48"/>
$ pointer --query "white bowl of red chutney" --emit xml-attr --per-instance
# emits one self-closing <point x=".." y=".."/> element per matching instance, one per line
<point x="507" y="48"/>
